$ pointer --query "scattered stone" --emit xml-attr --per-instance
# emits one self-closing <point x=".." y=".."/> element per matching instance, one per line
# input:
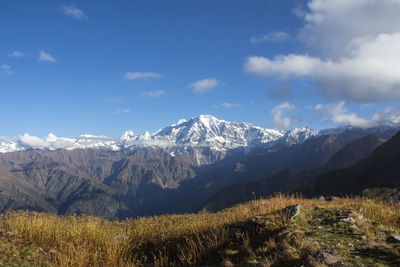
<point x="11" y="233"/>
<point x="291" y="211"/>
<point x="324" y="234"/>
<point x="330" y="198"/>
<point x="356" y="215"/>
<point x="321" y="198"/>
<point x="348" y="220"/>
<point x="354" y="227"/>
<point x="330" y="258"/>
<point x="394" y="239"/>
<point x="256" y="218"/>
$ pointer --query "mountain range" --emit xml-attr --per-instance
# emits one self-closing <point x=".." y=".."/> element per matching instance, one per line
<point x="174" y="170"/>
<point x="202" y="131"/>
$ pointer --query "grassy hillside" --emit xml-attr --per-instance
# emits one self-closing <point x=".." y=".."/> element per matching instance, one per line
<point x="353" y="230"/>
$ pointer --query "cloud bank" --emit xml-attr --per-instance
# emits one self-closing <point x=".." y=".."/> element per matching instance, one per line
<point x="360" y="40"/>
<point x="338" y="113"/>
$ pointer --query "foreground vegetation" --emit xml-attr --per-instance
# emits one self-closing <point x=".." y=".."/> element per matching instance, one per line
<point x="352" y="230"/>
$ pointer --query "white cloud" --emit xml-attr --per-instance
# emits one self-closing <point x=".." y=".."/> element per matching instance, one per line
<point x="45" y="57"/>
<point x="6" y="69"/>
<point x="388" y="116"/>
<point x="74" y="12"/>
<point x="360" y="41"/>
<point x="32" y="141"/>
<point x="142" y="75"/>
<point x="123" y="110"/>
<point x="203" y="86"/>
<point x="339" y="114"/>
<point x="16" y="54"/>
<point x="337" y="26"/>
<point x="299" y="11"/>
<point x="270" y="37"/>
<point x="370" y="74"/>
<point x="280" y="121"/>
<point x="153" y="94"/>
<point x="230" y="105"/>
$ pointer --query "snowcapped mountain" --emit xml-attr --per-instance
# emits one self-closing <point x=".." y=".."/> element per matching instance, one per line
<point x="298" y="135"/>
<point x="204" y="131"/>
<point x="7" y="145"/>
<point x="221" y="135"/>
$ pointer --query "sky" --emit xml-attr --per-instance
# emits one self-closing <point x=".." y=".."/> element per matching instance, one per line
<point x="102" y="67"/>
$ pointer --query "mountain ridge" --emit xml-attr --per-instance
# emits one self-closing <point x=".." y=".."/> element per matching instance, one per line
<point x="204" y="130"/>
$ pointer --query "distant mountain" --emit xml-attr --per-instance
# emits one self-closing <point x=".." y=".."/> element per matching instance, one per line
<point x="87" y="180"/>
<point x="205" y="137"/>
<point x="380" y="170"/>
<point x="174" y="170"/>
<point x="354" y="152"/>
<point x="287" y="180"/>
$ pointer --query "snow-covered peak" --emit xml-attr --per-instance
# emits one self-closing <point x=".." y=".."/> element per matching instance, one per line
<point x="201" y="131"/>
<point x="206" y="130"/>
<point x="7" y="145"/>
<point x="179" y="122"/>
<point x="51" y="137"/>
<point x="126" y="136"/>
<point x="299" y="135"/>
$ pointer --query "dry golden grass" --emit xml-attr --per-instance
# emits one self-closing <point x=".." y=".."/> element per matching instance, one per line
<point x="163" y="240"/>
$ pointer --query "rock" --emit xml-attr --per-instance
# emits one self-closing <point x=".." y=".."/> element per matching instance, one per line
<point x="291" y="211"/>
<point x="330" y="198"/>
<point x="354" y="227"/>
<point x="330" y="258"/>
<point x="348" y="220"/>
<point x="394" y="239"/>
<point x="11" y="233"/>
<point x="321" y="198"/>
<point x="257" y="218"/>
<point x="356" y="215"/>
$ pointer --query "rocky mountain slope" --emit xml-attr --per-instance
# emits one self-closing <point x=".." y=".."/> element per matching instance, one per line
<point x="380" y="170"/>
<point x="288" y="179"/>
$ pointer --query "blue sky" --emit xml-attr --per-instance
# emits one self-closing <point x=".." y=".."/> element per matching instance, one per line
<point x="102" y="67"/>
